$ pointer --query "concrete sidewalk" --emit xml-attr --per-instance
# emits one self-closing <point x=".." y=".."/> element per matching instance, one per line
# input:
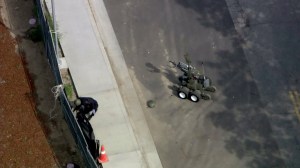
<point x="98" y="69"/>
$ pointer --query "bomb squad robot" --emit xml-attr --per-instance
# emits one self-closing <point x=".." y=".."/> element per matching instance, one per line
<point x="193" y="83"/>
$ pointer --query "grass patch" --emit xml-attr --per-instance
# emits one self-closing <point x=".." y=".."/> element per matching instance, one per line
<point x="35" y="12"/>
<point x="69" y="90"/>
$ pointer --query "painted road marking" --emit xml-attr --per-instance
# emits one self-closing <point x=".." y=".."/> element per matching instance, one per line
<point x="295" y="98"/>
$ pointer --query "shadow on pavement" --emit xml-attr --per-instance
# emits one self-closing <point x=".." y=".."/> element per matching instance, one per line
<point x="246" y="115"/>
<point x="212" y="14"/>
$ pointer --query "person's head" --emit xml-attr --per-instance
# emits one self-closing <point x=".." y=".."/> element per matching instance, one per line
<point x="77" y="102"/>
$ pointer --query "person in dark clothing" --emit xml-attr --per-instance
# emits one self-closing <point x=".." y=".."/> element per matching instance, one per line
<point x="87" y="106"/>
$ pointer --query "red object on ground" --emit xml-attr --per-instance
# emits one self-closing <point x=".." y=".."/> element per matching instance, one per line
<point x="103" y="157"/>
